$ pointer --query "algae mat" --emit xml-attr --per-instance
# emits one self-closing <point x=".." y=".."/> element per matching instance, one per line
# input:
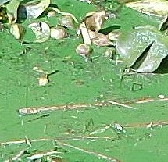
<point x="86" y="112"/>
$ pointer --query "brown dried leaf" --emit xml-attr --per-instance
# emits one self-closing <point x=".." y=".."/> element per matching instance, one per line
<point x="101" y="40"/>
<point x="94" y="20"/>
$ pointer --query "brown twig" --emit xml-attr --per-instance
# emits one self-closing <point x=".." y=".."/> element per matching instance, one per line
<point x="36" y="110"/>
<point x="146" y="100"/>
<point x="146" y="124"/>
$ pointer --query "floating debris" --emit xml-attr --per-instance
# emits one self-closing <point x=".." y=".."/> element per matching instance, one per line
<point x="58" y="33"/>
<point x="84" y="50"/>
<point x="16" y="30"/>
<point x="32" y="10"/>
<point x="41" y="30"/>
<point x="142" y="48"/>
<point x="43" y="80"/>
<point x="94" y="20"/>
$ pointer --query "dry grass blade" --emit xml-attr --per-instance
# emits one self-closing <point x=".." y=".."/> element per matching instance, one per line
<point x="40" y="155"/>
<point x="99" y="155"/>
<point x="33" y="110"/>
<point x="147" y="124"/>
<point x="16" y="157"/>
<point x="146" y="100"/>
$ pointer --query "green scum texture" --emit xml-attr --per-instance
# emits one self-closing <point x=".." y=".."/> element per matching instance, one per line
<point x="79" y="82"/>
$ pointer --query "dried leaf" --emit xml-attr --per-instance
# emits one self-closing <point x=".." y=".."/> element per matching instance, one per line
<point x="101" y="40"/>
<point x="155" y="7"/>
<point x="94" y="20"/>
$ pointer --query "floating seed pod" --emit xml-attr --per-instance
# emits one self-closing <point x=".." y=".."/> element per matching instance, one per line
<point x="84" y="50"/>
<point x="57" y="33"/>
<point x="16" y="30"/>
<point x="43" y="80"/>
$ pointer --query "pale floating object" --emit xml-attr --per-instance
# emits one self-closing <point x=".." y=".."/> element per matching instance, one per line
<point x="94" y="20"/>
<point x="154" y="7"/>
<point x="58" y="33"/>
<point x="67" y="21"/>
<point x="119" y="128"/>
<point x="85" y="34"/>
<point x="91" y="33"/>
<point x="161" y="96"/>
<point x="113" y="36"/>
<point x="87" y="1"/>
<point x="101" y="40"/>
<point x="43" y="80"/>
<point x="16" y="30"/>
<point x="108" y="53"/>
<point x="51" y="14"/>
<point x="41" y="31"/>
<point x="32" y="10"/>
<point x="84" y="50"/>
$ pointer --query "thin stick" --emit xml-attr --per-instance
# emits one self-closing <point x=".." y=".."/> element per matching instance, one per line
<point x="120" y="104"/>
<point x="40" y="155"/>
<point x="17" y="142"/>
<point x="99" y="155"/>
<point x="146" y="100"/>
<point x="16" y="157"/>
<point x="36" y="110"/>
<point x="147" y="124"/>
